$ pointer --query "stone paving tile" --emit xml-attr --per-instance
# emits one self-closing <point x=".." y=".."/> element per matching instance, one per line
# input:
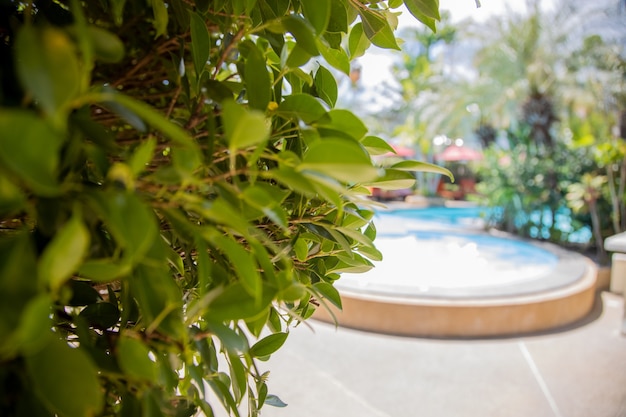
<point x="575" y="373"/>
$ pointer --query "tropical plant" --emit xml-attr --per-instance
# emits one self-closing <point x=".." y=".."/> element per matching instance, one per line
<point x="176" y="186"/>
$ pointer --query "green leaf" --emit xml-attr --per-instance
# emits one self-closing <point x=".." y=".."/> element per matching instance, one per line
<point x="107" y="47"/>
<point x="243" y="127"/>
<point x="301" y="107"/>
<point x="30" y="148"/>
<point x="33" y="331"/>
<point x="422" y="167"/>
<point x="243" y="262"/>
<point x="376" y="145"/>
<point x="328" y="292"/>
<point x="326" y="86"/>
<point x="426" y="11"/>
<point x="64" y="254"/>
<point x="394" y="179"/>
<point x="66" y="380"/>
<point x="343" y="160"/>
<point x="317" y="12"/>
<point x="343" y="123"/>
<point x="133" y="357"/>
<point x="428" y="8"/>
<point x="235" y="303"/>
<point x="200" y="43"/>
<point x="231" y="340"/>
<point x="302" y="31"/>
<point x="357" y="41"/>
<point x="48" y="68"/>
<point x="337" y="58"/>
<point x="101" y="315"/>
<point x="377" y="29"/>
<point x="274" y="401"/>
<point x="103" y="270"/>
<point x="142" y="156"/>
<point x="268" y="345"/>
<point x="161" y="17"/>
<point x="257" y="79"/>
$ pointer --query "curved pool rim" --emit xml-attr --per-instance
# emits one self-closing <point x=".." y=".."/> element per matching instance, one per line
<point x="563" y="297"/>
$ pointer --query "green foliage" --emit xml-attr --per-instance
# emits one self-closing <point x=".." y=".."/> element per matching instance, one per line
<point x="175" y="186"/>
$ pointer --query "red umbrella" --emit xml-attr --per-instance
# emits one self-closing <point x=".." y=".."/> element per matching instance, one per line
<point x="459" y="153"/>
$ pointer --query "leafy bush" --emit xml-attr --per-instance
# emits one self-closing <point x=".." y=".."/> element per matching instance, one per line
<point x="176" y="186"/>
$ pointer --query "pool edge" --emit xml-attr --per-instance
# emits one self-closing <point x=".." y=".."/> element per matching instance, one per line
<point x="477" y="317"/>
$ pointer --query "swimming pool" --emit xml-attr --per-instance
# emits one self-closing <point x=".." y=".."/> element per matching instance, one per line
<point x="443" y="275"/>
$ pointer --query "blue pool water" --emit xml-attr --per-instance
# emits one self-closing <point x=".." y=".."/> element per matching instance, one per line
<point x="445" y="252"/>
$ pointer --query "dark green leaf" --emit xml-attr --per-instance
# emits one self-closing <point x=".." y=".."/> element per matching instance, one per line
<point x="66" y="380"/>
<point x="326" y="86"/>
<point x="107" y="46"/>
<point x="235" y="303"/>
<point x="48" y="68"/>
<point x="268" y="345"/>
<point x="301" y="107"/>
<point x="302" y="31"/>
<point x="101" y="315"/>
<point x="30" y="148"/>
<point x="83" y="293"/>
<point x="257" y="79"/>
<point x="230" y="339"/>
<point x="134" y="359"/>
<point x="317" y="12"/>
<point x="200" y="43"/>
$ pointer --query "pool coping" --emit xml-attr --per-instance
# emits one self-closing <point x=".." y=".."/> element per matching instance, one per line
<point x="476" y="317"/>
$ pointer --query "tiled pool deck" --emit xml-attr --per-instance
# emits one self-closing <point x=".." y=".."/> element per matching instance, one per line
<point x="337" y="372"/>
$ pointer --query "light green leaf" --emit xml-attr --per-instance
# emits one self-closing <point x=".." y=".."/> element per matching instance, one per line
<point x="107" y="46"/>
<point x="343" y="123"/>
<point x="428" y="8"/>
<point x="343" y="160"/>
<point x="357" y="42"/>
<point x="376" y="145"/>
<point x="422" y="167"/>
<point x="268" y="345"/>
<point x="326" y="86"/>
<point x="30" y="148"/>
<point x="64" y="254"/>
<point x="328" y="292"/>
<point x="230" y="339"/>
<point x="394" y="179"/>
<point x="133" y="357"/>
<point x="200" y="43"/>
<point x="48" y="68"/>
<point x="243" y="127"/>
<point x="426" y="11"/>
<point x="377" y="29"/>
<point x="66" y="380"/>
<point x="303" y="107"/>
<point x="317" y="12"/>
<point x="257" y="80"/>
<point x="337" y="58"/>
<point x="161" y="17"/>
<point x="142" y="156"/>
